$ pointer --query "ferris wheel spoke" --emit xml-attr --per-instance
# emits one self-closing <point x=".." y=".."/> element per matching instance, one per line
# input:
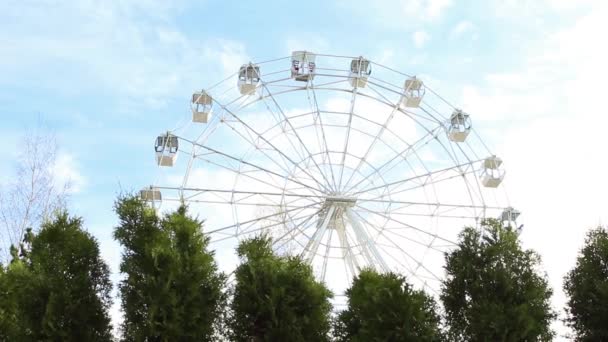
<point x="286" y="118"/>
<point x="278" y="224"/>
<point x="393" y="185"/>
<point x="419" y="263"/>
<point x="245" y="163"/>
<point x="372" y="144"/>
<point x="295" y="230"/>
<point x="407" y="225"/>
<point x="377" y="137"/>
<point x="280" y="123"/>
<point x="319" y="117"/>
<point x="383" y="232"/>
<point x="347" y="136"/>
<point x="429" y="246"/>
<point x="429" y="204"/>
<point x="258" y="219"/>
<point x="403" y="262"/>
<point x="260" y="136"/>
<point x="262" y="150"/>
<point x="248" y="175"/>
<point x="479" y="192"/>
<point x="432" y="118"/>
<point x="428" y="182"/>
<point x="237" y="197"/>
<point x="404" y="155"/>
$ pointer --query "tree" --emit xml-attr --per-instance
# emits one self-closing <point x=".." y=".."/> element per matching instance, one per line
<point x="57" y="288"/>
<point x="384" y="307"/>
<point x="492" y="291"/>
<point x="276" y="298"/>
<point x="34" y="193"/>
<point x="586" y="286"/>
<point x="17" y="290"/>
<point x="172" y="290"/>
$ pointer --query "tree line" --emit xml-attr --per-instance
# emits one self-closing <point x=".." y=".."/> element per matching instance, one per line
<point x="56" y="287"/>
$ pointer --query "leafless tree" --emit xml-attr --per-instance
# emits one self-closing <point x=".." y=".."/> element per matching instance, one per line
<point x="32" y="193"/>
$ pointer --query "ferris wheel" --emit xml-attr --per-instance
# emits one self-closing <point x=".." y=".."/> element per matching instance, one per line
<point x="343" y="166"/>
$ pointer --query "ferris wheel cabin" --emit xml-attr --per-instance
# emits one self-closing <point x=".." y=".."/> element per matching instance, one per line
<point x="166" y="149"/>
<point x="303" y="65"/>
<point x="201" y="106"/>
<point x="413" y="92"/>
<point x="249" y="78"/>
<point x="360" y="69"/>
<point x="492" y="175"/>
<point x="509" y="215"/>
<point x="150" y="194"/>
<point x="460" y="126"/>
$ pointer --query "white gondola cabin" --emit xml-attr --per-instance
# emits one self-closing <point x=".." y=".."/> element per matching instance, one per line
<point x="360" y="69"/>
<point x="150" y="194"/>
<point x="201" y="106"/>
<point x="303" y="65"/>
<point x="460" y="126"/>
<point x="166" y="149"/>
<point x="492" y="175"/>
<point x="509" y="215"/>
<point x="249" y="78"/>
<point x="413" y="92"/>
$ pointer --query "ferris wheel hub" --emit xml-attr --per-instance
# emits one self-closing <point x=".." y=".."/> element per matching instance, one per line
<point x="340" y="201"/>
<point x="333" y="213"/>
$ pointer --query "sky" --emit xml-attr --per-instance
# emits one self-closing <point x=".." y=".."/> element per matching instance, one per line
<point x="107" y="77"/>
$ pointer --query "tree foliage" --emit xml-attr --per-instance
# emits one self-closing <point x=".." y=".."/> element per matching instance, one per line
<point x="493" y="291"/>
<point x="172" y="290"/>
<point x="384" y="307"/>
<point x="276" y="298"/>
<point x="587" y="288"/>
<point x="57" y="288"/>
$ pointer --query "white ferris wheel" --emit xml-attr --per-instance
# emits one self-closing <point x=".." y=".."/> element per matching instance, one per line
<point x="346" y="167"/>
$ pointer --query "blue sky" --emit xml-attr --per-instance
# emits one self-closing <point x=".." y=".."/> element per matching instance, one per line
<point x="107" y="77"/>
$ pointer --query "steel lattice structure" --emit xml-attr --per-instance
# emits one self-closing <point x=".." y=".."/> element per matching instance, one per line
<point x="346" y="167"/>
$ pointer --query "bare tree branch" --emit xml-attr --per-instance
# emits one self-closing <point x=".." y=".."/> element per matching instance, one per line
<point x="33" y="192"/>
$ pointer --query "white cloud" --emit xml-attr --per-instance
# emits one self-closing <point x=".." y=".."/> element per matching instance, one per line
<point x="308" y="42"/>
<point x="461" y="28"/>
<point x="399" y="13"/>
<point x="66" y="172"/>
<point x="130" y="50"/>
<point x="230" y="54"/>
<point x="420" y="38"/>
<point x="427" y="9"/>
<point x="436" y="7"/>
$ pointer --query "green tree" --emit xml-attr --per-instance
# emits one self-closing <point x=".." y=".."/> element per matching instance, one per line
<point x="493" y="291"/>
<point x="384" y="307"/>
<point x="58" y="287"/>
<point x="8" y="307"/>
<point x="276" y="298"/>
<point x="587" y="288"/>
<point x="172" y="290"/>
<point x="17" y="292"/>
